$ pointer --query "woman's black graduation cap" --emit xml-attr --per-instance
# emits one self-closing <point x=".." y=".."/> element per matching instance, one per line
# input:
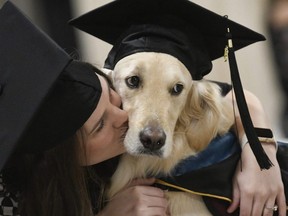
<point x="183" y="29"/>
<point x="45" y="96"/>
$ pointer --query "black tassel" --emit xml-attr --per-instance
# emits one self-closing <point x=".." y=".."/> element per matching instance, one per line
<point x="260" y="155"/>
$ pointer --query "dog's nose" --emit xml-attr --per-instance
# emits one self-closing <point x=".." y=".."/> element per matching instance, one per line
<point x="152" y="137"/>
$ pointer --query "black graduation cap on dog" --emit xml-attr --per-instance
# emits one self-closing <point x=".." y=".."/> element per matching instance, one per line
<point x="183" y="29"/>
<point x="45" y="96"/>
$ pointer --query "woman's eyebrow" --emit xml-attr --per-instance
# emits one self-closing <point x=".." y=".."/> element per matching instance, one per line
<point x="96" y="125"/>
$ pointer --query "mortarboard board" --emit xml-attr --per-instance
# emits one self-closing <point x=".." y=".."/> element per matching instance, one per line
<point x="45" y="96"/>
<point x="185" y="30"/>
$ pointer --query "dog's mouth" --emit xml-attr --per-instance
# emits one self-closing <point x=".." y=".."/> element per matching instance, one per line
<point x="147" y="152"/>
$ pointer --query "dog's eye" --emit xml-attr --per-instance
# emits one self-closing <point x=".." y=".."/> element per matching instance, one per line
<point x="133" y="82"/>
<point x="177" y="89"/>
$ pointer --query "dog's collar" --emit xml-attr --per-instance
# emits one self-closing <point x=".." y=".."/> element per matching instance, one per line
<point x="209" y="173"/>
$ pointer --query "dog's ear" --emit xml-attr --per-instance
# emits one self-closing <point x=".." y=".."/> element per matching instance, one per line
<point x="206" y="114"/>
<point x="107" y="72"/>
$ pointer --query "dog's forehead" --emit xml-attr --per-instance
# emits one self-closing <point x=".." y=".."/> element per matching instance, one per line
<point x="151" y="63"/>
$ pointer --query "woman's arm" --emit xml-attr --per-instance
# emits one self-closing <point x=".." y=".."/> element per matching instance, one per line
<point x="255" y="190"/>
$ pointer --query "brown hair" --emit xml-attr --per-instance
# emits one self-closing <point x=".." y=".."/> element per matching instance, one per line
<point x="57" y="185"/>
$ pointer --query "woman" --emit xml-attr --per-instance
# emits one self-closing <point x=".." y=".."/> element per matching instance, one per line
<point x="56" y="181"/>
<point x="57" y="119"/>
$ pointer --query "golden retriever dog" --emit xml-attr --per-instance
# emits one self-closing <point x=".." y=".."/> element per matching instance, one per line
<point x="171" y="117"/>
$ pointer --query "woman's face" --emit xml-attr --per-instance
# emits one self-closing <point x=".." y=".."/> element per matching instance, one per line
<point x="103" y="133"/>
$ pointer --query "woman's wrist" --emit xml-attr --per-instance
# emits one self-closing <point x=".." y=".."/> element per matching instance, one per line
<point x="265" y="137"/>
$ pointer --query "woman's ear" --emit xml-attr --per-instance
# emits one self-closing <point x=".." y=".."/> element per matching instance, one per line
<point x="205" y="115"/>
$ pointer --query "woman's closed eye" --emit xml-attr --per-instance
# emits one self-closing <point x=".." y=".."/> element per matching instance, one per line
<point x="100" y="125"/>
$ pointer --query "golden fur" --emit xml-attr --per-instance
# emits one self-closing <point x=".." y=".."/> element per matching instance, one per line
<point x="190" y="120"/>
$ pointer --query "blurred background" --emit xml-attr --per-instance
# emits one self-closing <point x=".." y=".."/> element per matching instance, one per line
<point x="260" y="71"/>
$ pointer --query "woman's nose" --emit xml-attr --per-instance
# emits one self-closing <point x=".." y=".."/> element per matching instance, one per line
<point x="121" y="117"/>
<point x="115" y="98"/>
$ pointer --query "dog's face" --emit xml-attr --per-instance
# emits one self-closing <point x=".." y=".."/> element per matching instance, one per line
<point x="153" y="88"/>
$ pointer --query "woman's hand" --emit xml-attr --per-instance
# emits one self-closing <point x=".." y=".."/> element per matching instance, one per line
<point x="138" y="199"/>
<point x="255" y="191"/>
